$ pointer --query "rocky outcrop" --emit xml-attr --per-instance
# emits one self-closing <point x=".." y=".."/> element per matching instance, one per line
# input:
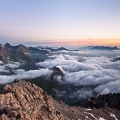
<point x="25" y="101"/>
<point x="57" y="72"/>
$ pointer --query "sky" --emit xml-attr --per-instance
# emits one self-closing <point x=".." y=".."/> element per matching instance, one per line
<point x="60" y="22"/>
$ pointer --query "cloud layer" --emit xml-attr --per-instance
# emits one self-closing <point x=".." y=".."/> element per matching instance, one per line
<point x="92" y="72"/>
<point x="86" y="73"/>
<point x="21" y="74"/>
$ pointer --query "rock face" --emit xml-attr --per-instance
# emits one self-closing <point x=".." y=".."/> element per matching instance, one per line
<point x="25" y="101"/>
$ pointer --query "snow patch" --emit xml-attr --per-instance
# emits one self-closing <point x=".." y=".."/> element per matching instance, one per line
<point x="91" y="115"/>
<point x="88" y="109"/>
<point x="87" y="118"/>
<point x="101" y="118"/>
<point x="112" y="115"/>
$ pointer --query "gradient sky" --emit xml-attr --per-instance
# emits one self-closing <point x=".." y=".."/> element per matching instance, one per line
<point x="63" y="22"/>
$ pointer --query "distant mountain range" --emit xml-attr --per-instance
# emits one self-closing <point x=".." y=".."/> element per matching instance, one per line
<point x="104" y="48"/>
<point x="33" y="54"/>
<point x="23" y="53"/>
<point x="15" y="53"/>
<point x="51" y="49"/>
<point x="99" y="48"/>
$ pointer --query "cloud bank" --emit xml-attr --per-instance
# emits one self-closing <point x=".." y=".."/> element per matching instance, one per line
<point x="91" y="72"/>
<point x="21" y="74"/>
<point x="86" y="73"/>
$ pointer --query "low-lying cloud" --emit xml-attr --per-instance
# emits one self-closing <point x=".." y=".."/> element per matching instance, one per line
<point x="6" y="68"/>
<point x="21" y="74"/>
<point x="97" y="72"/>
<point x="88" y="73"/>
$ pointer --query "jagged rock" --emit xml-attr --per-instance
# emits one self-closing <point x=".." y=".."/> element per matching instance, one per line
<point x="25" y="101"/>
<point x="57" y="72"/>
<point x="56" y="81"/>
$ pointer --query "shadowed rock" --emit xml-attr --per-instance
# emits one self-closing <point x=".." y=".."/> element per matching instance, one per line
<point x="112" y="100"/>
<point x="102" y="101"/>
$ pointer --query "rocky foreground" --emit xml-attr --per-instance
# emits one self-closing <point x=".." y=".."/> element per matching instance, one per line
<point x="25" y="101"/>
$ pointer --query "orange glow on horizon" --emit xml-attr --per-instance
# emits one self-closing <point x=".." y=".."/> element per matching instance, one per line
<point x="86" y="42"/>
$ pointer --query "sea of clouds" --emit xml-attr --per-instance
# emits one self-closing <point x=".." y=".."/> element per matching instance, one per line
<point x="90" y="72"/>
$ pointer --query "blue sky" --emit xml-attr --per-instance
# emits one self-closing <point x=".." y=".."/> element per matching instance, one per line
<point x="55" y="20"/>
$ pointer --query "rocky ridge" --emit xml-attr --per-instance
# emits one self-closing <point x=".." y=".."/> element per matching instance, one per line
<point x="22" y="100"/>
<point x="22" y="53"/>
<point x="15" y="53"/>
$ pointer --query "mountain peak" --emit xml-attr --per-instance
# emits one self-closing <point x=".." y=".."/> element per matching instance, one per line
<point x="7" y="45"/>
<point x="20" y="45"/>
<point x="22" y="48"/>
<point x="62" y="48"/>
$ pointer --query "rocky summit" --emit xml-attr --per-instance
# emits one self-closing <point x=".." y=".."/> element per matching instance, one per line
<point x="22" y="100"/>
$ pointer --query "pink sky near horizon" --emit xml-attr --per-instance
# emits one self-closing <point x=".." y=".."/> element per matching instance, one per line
<point x="83" y="42"/>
